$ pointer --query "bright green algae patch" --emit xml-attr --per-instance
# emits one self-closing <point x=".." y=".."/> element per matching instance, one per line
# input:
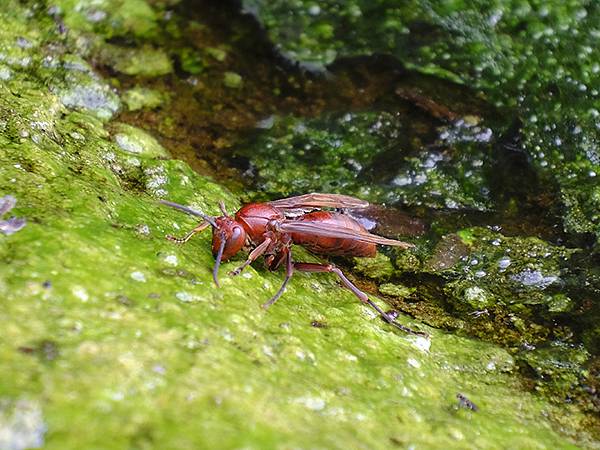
<point x="113" y="337"/>
<point x="539" y="58"/>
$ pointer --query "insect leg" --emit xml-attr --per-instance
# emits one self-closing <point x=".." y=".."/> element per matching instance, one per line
<point x="258" y="251"/>
<point x="202" y="226"/>
<point x="222" y="208"/>
<point x="289" y="271"/>
<point x="313" y="267"/>
<point x="391" y="321"/>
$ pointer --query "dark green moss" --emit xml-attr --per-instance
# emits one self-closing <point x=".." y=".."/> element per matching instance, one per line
<point x="537" y="58"/>
<point x="372" y="155"/>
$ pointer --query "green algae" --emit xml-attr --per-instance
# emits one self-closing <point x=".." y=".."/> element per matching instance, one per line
<point x="111" y="18"/>
<point x="139" y="98"/>
<point x="114" y="337"/>
<point x="511" y="270"/>
<point x="232" y="80"/>
<point x="559" y="363"/>
<point x="396" y="290"/>
<point x="136" y="141"/>
<point x="145" y="61"/>
<point x="191" y="61"/>
<point x="379" y="268"/>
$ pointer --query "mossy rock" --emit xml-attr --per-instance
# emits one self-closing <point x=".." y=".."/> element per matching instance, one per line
<point x="371" y="155"/>
<point x="114" y="337"/>
<point x="521" y="55"/>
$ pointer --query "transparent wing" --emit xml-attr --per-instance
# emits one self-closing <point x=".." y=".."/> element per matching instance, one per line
<point x="336" y="231"/>
<point x="316" y="200"/>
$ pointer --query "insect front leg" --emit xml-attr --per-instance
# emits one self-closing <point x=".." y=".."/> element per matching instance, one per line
<point x="258" y="251"/>
<point x="202" y="226"/>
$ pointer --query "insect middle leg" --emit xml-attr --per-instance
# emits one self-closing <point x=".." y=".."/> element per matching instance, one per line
<point x="289" y="271"/>
<point x="258" y="251"/>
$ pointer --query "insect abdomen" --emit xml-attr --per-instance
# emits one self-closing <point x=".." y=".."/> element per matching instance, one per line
<point x="333" y="246"/>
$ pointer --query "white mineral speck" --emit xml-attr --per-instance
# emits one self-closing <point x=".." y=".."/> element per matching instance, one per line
<point x="422" y="343"/>
<point x="413" y="363"/>
<point x="401" y="180"/>
<point x="171" y="260"/>
<point x="475" y="294"/>
<point x="96" y="16"/>
<point x="138" y="276"/>
<point x="503" y="263"/>
<point x="117" y="396"/>
<point x="268" y="351"/>
<point x="534" y="278"/>
<point x="314" y="10"/>
<point x="80" y="293"/>
<point x="21" y="425"/>
<point x="128" y="144"/>
<point x="313" y="403"/>
<point x="185" y="297"/>
<point x="5" y="73"/>
<point x="143" y="229"/>
<point x="157" y="368"/>
<point x="350" y="357"/>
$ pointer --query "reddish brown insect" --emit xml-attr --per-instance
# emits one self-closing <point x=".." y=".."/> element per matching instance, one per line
<point x="271" y="228"/>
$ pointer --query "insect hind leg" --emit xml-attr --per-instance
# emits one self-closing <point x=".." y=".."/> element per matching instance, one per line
<point x="314" y="267"/>
<point x="330" y="268"/>
<point x="289" y="271"/>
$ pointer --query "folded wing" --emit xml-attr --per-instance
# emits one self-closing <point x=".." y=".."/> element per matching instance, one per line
<point x="317" y="200"/>
<point x="336" y="231"/>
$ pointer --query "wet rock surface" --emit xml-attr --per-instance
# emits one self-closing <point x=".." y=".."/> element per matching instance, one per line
<point x="539" y="60"/>
<point x="377" y="156"/>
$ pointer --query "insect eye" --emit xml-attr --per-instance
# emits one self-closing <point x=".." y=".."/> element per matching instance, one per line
<point x="236" y="234"/>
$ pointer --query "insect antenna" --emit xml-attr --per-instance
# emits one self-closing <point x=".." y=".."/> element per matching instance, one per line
<point x="191" y="211"/>
<point x="222" y="208"/>
<point x="218" y="259"/>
